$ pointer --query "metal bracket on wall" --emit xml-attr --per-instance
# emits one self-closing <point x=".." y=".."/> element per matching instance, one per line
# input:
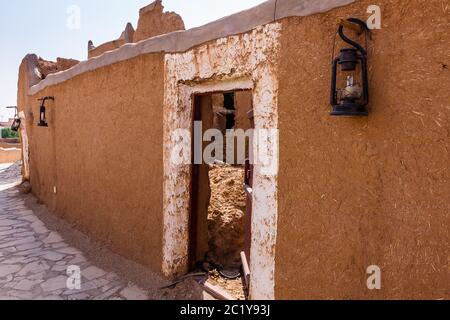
<point x="42" y="111"/>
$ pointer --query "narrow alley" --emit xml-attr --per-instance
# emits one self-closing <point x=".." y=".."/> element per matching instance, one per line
<point x="34" y="260"/>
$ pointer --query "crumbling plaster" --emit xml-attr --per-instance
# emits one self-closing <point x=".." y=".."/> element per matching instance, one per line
<point x="246" y="61"/>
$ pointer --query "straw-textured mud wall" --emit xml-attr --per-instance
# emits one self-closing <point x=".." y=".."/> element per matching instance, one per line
<point x="99" y="163"/>
<point x="375" y="191"/>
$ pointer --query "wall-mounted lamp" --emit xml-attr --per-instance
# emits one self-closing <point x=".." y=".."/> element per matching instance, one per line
<point x="348" y="96"/>
<point x="16" y="123"/>
<point x="42" y="116"/>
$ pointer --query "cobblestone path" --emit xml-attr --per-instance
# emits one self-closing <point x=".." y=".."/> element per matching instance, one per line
<point x="34" y="261"/>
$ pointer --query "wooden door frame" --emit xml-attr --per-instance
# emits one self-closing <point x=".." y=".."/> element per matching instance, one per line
<point x="194" y="188"/>
<point x="248" y="187"/>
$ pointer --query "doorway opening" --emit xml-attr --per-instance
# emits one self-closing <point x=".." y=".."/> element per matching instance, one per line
<point x="220" y="218"/>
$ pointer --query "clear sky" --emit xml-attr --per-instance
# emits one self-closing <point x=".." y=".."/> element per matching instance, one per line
<point x="41" y="27"/>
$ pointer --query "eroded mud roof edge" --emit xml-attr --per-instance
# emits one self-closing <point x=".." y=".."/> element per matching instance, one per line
<point x="181" y="41"/>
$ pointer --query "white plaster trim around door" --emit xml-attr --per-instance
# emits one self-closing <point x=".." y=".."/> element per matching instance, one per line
<point x="247" y="61"/>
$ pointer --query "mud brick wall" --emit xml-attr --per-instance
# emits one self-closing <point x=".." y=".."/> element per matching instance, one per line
<point x="103" y="153"/>
<point x="357" y="192"/>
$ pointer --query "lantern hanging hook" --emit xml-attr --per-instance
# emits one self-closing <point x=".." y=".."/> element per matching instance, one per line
<point x="45" y="99"/>
<point x="362" y="28"/>
<point x="42" y="120"/>
<point x="16" y="123"/>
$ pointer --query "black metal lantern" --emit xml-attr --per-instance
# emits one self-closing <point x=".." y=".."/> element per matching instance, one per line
<point x="349" y="97"/>
<point x="16" y="123"/>
<point x="42" y="116"/>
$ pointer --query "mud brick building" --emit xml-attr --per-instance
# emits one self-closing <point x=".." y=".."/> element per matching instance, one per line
<point x="346" y="193"/>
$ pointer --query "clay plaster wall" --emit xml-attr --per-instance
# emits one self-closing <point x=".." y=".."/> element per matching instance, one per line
<point x="7" y="145"/>
<point x="358" y="192"/>
<point x="107" y="46"/>
<point x="10" y="155"/>
<point x="103" y="153"/>
<point x="153" y="21"/>
<point x="126" y="37"/>
<point x="9" y="140"/>
<point x="246" y="61"/>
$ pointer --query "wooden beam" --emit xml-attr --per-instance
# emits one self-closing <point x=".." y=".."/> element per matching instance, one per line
<point x="245" y="269"/>
<point x="217" y="292"/>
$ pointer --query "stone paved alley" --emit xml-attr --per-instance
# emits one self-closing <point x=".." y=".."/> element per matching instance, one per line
<point x="34" y="257"/>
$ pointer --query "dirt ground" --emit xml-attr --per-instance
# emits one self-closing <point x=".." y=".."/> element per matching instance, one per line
<point x="234" y="287"/>
<point x="226" y="215"/>
<point x="226" y="225"/>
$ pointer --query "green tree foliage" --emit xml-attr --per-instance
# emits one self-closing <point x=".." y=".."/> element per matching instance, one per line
<point x="8" y="133"/>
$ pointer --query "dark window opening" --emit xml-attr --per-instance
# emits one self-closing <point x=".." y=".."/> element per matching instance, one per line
<point x="229" y="104"/>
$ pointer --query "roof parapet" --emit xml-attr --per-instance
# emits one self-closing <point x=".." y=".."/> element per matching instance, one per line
<point x="181" y="41"/>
